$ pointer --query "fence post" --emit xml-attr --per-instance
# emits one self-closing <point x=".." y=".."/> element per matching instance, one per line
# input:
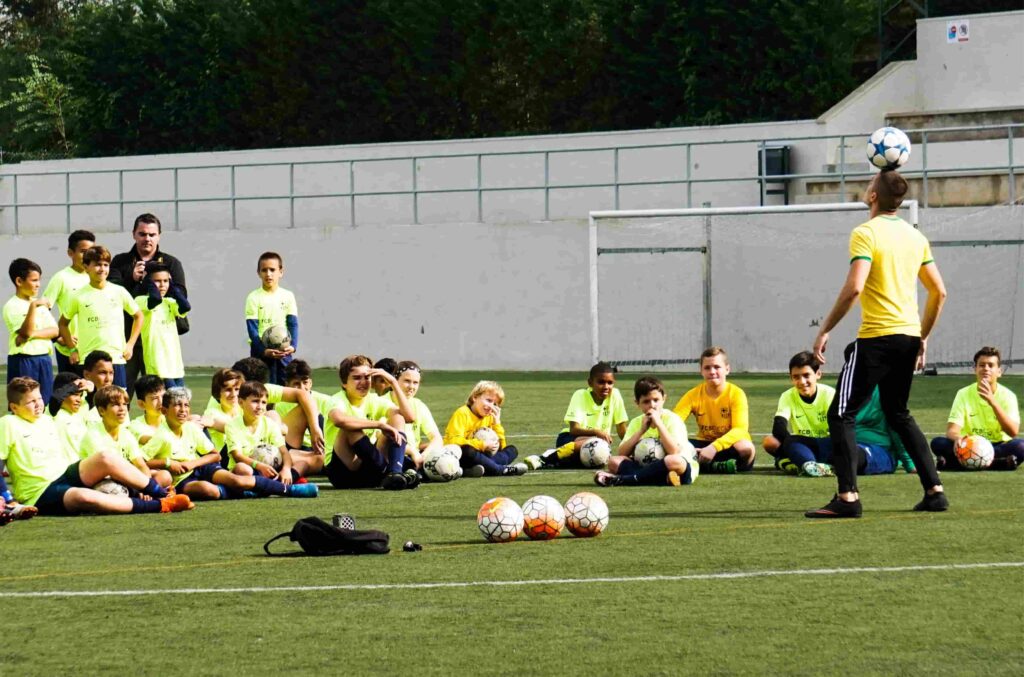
<point x="707" y="277"/>
<point x="924" y="168"/>
<point x="352" y="191"/>
<point x="479" y="189"/>
<point x="842" y="166"/>
<point x="177" y="210"/>
<point x="1013" y="179"/>
<point x="616" y="159"/>
<point x="67" y="202"/>
<point x="15" y="204"/>
<point x="547" y="191"/>
<point x="234" y="215"/>
<point x="689" y="183"/>
<point x="415" y="195"/>
<point x="291" y="194"/>
<point x="120" y="202"/>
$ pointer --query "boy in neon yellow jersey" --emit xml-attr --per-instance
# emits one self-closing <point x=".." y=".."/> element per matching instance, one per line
<point x="112" y="433"/>
<point x="678" y="467"/>
<point x="986" y="409"/>
<point x="244" y="433"/>
<point x="149" y="393"/>
<point x="180" y="447"/>
<point x="64" y="284"/>
<point x="271" y="306"/>
<point x="804" y="408"/>
<point x="54" y="479"/>
<point x="422" y="433"/>
<point x="593" y="412"/>
<point x="99" y="307"/>
<point x="723" y="421"/>
<point x="164" y="304"/>
<point x="68" y="408"/>
<point x="30" y="327"/>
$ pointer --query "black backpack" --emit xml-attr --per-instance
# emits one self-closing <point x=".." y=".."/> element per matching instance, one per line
<point x="317" y="537"/>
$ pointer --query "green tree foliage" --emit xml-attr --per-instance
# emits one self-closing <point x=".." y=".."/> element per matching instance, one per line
<point x="40" y="103"/>
<point x="153" y="76"/>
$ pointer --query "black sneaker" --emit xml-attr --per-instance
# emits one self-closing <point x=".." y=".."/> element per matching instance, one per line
<point x="837" y="508"/>
<point x="474" y="471"/>
<point x="936" y="502"/>
<point x="394" y="482"/>
<point x="412" y="479"/>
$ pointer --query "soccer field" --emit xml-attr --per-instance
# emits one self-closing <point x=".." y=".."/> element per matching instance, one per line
<point x="722" y="577"/>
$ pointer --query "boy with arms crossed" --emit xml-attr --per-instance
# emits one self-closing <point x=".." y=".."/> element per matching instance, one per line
<point x="161" y="307"/>
<point x="64" y="284"/>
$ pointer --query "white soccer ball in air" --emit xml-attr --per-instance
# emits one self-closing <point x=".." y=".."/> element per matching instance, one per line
<point x="267" y="454"/>
<point x="595" y="453"/>
<point x="888" y="148"/>
<point x="441" y="464"/>
<point x="648" y="450"/>
<point x="487" y="436"/>
<point x="276" y="337"/>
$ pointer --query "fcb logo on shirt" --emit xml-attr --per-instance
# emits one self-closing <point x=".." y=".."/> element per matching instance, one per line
<point x="725" y="412"/>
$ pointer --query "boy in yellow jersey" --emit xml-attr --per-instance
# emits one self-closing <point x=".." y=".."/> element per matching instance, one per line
<point x="64" y="284"/>
<point x="723" y="421"/>
<point x="271" y="306"/>
<point x="30" y="327"/>
<point x="379" y="385"/>
<point x="244" y="433"/>
<point x="68" y="408"/>
<point x="99" y="307"/>
<point x="679" y="466"/>
<point x="98" y="371"/>
<point x="298" y="374"/>
<point x="804" y="408"/>
<point x="164" y="304"/>
<point x="887" y="258"/>
<point x="593" y="412"/>
<point x="112" y="434"/>
<point x="222" y="407"/>
<point x="481" y="456"/>
<point x="986" y="409"/>
<point x="180" y="447"/>
<point x="422" y="433"/>
<point x="149" y="393"/>
<point x="351" y="458"/>
<point x="47" y="475"/>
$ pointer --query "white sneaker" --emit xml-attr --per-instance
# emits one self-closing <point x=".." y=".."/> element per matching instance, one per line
<point x="533" y="462"/>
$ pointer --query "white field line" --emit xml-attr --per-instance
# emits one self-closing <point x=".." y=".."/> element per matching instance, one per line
<point x="731" y="575"/>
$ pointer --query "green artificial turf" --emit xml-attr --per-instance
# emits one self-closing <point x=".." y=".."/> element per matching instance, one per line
<point x="940" y="620"/>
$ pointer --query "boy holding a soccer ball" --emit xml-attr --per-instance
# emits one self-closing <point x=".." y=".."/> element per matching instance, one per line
<point x="271" y="307"/>
<point x="679" y="465"/>
<point x="593" y="413"/>
<point x="986" y="409"/>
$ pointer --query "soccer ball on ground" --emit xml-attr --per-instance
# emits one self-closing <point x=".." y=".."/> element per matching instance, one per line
<point x="500" y="520"/>
<point x="975" y="452"/>
<point x="586" y="514"/>
<point x="441" y="464"/>
<point x="487" y="436"/>
<point x="276" y="337"/>
<point x="595" y="453"/>
<point x="543" y="518"/>
<point x="268" y="454"/>
<point x="111" y="487"/>
<point x="648" y="450"/>
<point x="888" y="148"/>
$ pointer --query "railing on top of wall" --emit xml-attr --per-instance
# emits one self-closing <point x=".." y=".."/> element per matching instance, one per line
<point x="762" y="177"/>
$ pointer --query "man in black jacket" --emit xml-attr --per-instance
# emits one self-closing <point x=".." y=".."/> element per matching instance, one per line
<point x="129" y="271"/>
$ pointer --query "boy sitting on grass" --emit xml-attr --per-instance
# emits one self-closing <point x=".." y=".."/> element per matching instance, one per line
<point x="68" y="408"/>
<point x="51" y="477"/>
<point x="593" y="412"/>
<point x="723" y="421"/>
<point x="987" y="409"/>
<point x="679" y="466"/>
<point x="485" y="457"/>
<point x="111" y="433"/>
<point x="244" y="433"/>
<point x="149" y="393"/>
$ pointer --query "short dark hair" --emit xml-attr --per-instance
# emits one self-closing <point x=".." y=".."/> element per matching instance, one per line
<point x="96" y="356"/>
<point x="804" y="358"/>
<point x="222" y="377"/>
<point x="890" y="187"/>
<point x="157" y="267"/>
<point x="21" y="268"/>
<point x="80" y="236"/>
<point x="148" y="384"/>
<point x="388" y="364"/>
<point x="601" y="368"/>
<point x="253" y="369"/>
<point x="18" y="387"/>
<point x="96" y="253"/>
<point x="62" y="389"/>
<point x="108" y="395"/>
<point x="265" y="256"/>
<point x="647" y="384"/>
<point x="252" y="389"/>
<point x="989" y="351"/>
<point x="297" y="370"/>
<point x="714" y="351"/>
<point x="350" y="363"/>
<point x="146" y="218"/>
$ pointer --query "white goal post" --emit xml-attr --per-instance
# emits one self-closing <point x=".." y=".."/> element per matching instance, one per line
<point x="595" y="251"/>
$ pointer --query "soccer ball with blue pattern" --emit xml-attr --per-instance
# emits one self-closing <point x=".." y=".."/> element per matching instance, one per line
<point x="888" y="148"/>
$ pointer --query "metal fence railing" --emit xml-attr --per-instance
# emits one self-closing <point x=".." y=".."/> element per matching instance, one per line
<point x="842" y="173"/>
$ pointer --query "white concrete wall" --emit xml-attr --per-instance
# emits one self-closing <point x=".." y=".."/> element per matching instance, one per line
<point x="476" y="296"/>
<point x="986" y="71"/>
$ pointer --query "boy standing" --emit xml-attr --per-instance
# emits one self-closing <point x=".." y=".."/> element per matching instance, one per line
<point x="64" y="284"/>
<point x="592" y="412"/>
<point x="30" y="326"/>
<point x="986" y="409"/>
<point x="100" y="306"/>
<point x="679" y="466"/>
<point x="161" y="308"/>
<point x="271" y="306"/>
<point x="720" y="408"/>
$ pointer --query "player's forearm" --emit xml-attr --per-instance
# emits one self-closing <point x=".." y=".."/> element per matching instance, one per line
<point x="136" y="328"/>
<point x="953" y="432"/>
<point x="730" y="438"/>
<point x="64" y="329"/>
<point x="627" y="445"/>
<point x="668" y="442"/>
<point x="291" y="323"/>
<point x="932" y="310"/>
<point x="847" y="297"/>
<point x="1009" y="426"/>
<point x="780" y="429"/>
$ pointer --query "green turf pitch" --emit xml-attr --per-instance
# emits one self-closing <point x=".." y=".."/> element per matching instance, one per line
<point x="917" y="620"/>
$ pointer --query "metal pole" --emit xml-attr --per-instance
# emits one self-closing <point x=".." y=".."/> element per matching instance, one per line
<point x="842" y="166"/>
<point x="924" y="168"/>
<point x="120" y="201"/>
<point x="1013" y="179"/>
<point x="616" y="178"/>
<point x="479" y="189"/>
<point x="595" y="347"/>
<point x="67" y="202"/>
<point x="352" y="192"/>
<point x="415" y="196"/>
<point x="707" y="278"/>
<point x="177" y="210"/>
<point x="547" y="191"/>
<point x="291" y="194"/>
<point x="234" y="215"/>
<point x="15" y="204"/>
<point x="689" y="183"/>
<point x="762" y="170"/>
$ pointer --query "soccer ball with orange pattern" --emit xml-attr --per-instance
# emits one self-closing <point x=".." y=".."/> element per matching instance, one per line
<point x="974" y="452"/>
<point x="500" y="520"/>
<point x="586" y="514"/>
<point x="543" y="518"/>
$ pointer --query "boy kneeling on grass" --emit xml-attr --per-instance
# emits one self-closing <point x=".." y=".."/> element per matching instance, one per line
<point x="51" y="477"/>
